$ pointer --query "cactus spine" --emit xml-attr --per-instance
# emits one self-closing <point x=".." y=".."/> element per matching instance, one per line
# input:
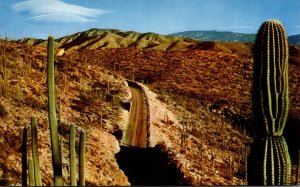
<point x="56" y="157"/>
<point x="82" y="158"/>
<point x="271" y="100"/>
<point x="72" y="156"/>
<point x="24" y="157"/>
<point x="35" y="154"/>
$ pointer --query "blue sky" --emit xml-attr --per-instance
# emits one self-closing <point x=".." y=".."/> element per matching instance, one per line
<point x="40" y="18"/>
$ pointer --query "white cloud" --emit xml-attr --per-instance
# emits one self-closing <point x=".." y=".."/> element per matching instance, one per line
<point x="57" y="11"/>
<point x="58" y="18"/>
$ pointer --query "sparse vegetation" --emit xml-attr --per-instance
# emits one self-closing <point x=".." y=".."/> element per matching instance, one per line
<point x="33" y="86"/>
<point x="35" y="177"/>
<point x="195" y="84"/>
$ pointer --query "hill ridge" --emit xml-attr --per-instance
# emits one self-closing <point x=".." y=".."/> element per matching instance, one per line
<point x="95" y="38"/>
<point x="227" y="36"/>
<point x="114" y="38"/>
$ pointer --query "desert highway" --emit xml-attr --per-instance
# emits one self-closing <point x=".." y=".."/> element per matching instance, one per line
<point x="136" y="134"/>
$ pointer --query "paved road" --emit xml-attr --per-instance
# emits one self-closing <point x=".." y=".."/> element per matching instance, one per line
<point x="136" y="135"/>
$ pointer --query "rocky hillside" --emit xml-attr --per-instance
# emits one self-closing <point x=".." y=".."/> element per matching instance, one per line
<point x="199" y="93"/>
<point x="214" y="77"/>
<point x="85" y="95"/>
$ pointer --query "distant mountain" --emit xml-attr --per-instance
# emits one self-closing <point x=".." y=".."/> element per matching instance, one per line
<point x="295" y="39"/>
<point x="111" y="38"/>
<point x="219" y="36"/>
<point x="33" y="41"/>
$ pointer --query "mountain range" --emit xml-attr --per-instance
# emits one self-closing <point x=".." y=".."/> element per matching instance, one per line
<point x="219" y="36"/>
<point x="113" y="38"/>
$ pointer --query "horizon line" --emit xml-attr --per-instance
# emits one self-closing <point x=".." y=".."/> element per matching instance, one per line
<point x="121" y="30"/>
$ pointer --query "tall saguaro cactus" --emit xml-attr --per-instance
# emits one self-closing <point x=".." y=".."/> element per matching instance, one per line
<point x="271" y="100"/>
<point x="24" y="157"/>
<point x="35" y="154"/>
<point x="72" y="151"/>
<point x="56" y="157"/>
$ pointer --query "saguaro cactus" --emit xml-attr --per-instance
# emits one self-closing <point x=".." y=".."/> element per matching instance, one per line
<point x="24" y="157"/>
<point x="72" y="156"/>
<point x="56" y="157"/>
<point x="271" y="100"/>
<point x="34" y="170"/>
<point x="31" y="172"/>
<point x="35" y="154"/>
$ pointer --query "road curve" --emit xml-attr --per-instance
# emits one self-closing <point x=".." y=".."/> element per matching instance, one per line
<point x="136" y="134"/>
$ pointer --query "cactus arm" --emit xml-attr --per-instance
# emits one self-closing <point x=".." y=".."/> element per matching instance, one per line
<point x="266" y="87"/>
<point x="286" y="162"/>
<point x="35" y="154"/>
<point x="72" y="156"/>
<point x="24" y="157"/>
<point x="82" y="158"/>
<point x="285" y="100"/>
<point x="56" y="157"/>
<point x="282" y="78"/>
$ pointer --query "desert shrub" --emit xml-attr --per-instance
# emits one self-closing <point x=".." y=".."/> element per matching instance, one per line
<point x="3" y="111"/>
<point x="35" y="102"/>
<point x="83" y="101"/>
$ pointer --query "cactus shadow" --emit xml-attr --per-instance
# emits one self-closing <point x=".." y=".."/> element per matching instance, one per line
<point x="292" y="135"/>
